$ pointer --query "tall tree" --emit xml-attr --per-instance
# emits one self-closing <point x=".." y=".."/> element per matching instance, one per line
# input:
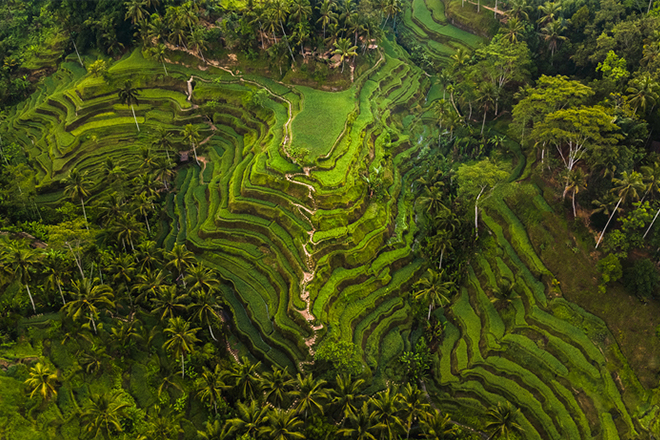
<point x="248" y="420"/>
<point x="503" y="421"/>
<point x="102" y="415"/>
<point x="128" y="95"/>
<point x="276" y="386"/>
<point x="181" y="339"/>
<point x="282" y="425"/>
<point x="88" y="296"/>
<point x="43" y="381"/>
<point x="20" y="262"/>
<point x="205" y="310"/>
<point x="627" y="186"/>
<point x="434" y="290"/>
<point x="77" y="187"/>
<point x="474" y="180"/>
<point x="191" y="135"/>
<point x="344" y="48"/>
<point x="210" y="385"/>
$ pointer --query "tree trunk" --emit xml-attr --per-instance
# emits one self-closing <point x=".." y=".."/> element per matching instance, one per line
<point x="608" y="222"/>
<point x="211" y="331"/>
<point x="195" y="152"/>
<point x="286" y="40"/>
<point x="483" y="123"/>
<point x="478" y="5"/>
<point x="31" y="300"/>
<point x="574" y="214"/>
<point x="653" y="221"/>
<point x="91" y="316"/>
<point x="476" y="212"/>
<point x="82" y="202"/>
<point x="428" y="318"/>
<point x="442" y="253"/>
<point x="146" y="220"/>
<point x="61" y="294"/>
<point x="82" y="274"/>
<point x="166" y="74"/>
<point x="495" y="12"/>
<point x="183" y="371"/>
<point x="649" y="8"/>
<point x="134" y="117"/>
<point x="76" y="48"/>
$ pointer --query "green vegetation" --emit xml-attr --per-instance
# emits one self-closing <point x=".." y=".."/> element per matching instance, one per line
<point x="333" y="219"/>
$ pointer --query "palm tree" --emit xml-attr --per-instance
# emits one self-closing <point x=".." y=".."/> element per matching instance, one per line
<point x="278" y="11"/>
<point x="245" y="379"/>
<point x="433" y="289"/>
<point x="179" y="259"/>
<point x="550" y="11"/>
<point x="503" y="421"/>
<point x="103" y="414"/>
<point x="248" y="421"/>
<point x="576" y="181"/>
<point x="551" y="33"/>
<point x="127" y="230"/>
<point x="201" y="279"/>
<point x="77" y="187"/>
<point x="159" y="52"/>
<point x="626" y="186"/>
<point x="56" y="270"/>
<point x="135" y="11"/>
<point x="144" y="204"/>
<point x="487" y="97"/>
<point x="413" y="406"/>
<point x="89" y="295"/>
<point x="182" y="339"/>
<point x="505" y="293"/>
<point x="392" y="9"/>
<point x="432" y="199"/>
<point x="327" y="14"/>
<point x="163" y="140"/>
<point x="20" y="262"/>
<point x="385" y="412"/>
<point x="197" y="41"/>
<point x="168" y="303"/>
<point x="361" y="422"/>
<point x="310" y="394"/>
<point x="128" y="96"/>
<point x="282" y="425"/>
<point x="165" y="426"/>
<point x="643" y="92"/>
<point x="436" y="426"/>
<point x="439" y="243"/>
<point x="347" y="394"/>
<point x="276" y="385"/>
<point x="213" y="431"/>
<point x="42" y="380"/>
<point x="343" y="47"/>
<point x="191" y="135"/>
<point x="210" y="386"/>
<point x="205" y="310"/>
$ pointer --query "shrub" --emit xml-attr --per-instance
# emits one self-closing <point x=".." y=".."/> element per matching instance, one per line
<point x="610" y="269"/>
<point x="642" y="279"/>
<point x="343" y="356"/>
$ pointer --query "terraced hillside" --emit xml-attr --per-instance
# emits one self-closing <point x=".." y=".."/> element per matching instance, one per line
<point x="322" y="249"/>
<point x="427" y="23"/>
<point x="549" y="357"/>
<point x="306" y="249"/>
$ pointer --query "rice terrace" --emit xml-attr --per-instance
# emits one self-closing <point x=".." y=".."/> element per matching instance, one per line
<point x="326" y="219"/>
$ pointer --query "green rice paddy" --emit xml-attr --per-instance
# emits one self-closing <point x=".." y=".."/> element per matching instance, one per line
<point x="306" y="254"/>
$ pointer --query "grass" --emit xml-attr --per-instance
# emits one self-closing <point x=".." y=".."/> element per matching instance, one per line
<point x="321" y="120"/>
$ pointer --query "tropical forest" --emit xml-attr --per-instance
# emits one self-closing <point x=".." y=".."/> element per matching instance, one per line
<point x="329" y="219"/>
